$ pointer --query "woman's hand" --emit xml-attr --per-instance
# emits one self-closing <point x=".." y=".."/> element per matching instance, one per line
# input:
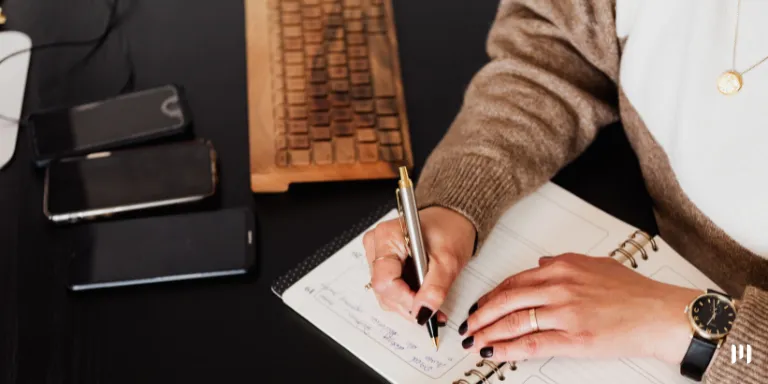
<point x="449" y="239"/>
<point x="585" y="307"/>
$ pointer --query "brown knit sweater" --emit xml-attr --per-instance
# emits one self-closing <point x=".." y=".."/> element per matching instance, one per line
<point x="552" y="83"/>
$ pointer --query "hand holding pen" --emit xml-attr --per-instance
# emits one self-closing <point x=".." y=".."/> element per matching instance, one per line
<point x="448" y="239"/>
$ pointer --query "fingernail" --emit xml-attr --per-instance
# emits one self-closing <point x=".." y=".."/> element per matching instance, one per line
<point x="544" y="258"/>
<point x="486" y="352"/>
<point x="463" y="328"/>
<point x="441" y="323"/>
<point x="424" y="315"/>
<point x="473" y="308"/>
<point x="468" y="342"/>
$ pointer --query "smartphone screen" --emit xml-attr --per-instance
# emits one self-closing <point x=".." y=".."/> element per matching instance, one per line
<point x="158" y="249"/>
<point x="129" y="180"/>
<point x="128" y="118"/>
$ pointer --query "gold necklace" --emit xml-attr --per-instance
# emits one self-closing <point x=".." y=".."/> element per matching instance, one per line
<point x="731" y="81"/>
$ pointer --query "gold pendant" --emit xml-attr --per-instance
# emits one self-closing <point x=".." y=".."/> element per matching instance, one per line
<point x="729" y="83"/>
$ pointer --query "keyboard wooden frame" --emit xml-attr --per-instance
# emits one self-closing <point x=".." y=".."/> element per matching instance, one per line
<point x="266" y="176"/>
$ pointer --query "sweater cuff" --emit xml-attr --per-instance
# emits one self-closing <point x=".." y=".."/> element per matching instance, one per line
<point x="750" y="328"/>
<point x="474" y="186"/>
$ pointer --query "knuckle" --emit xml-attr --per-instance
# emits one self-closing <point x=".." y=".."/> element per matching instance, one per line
<point x="435" y="293"/>
<point x="583" y="338"/>
<point x="512" y="323"/>
<point x="570" y="317"/>
<point x="380" y="286"/>
<point x="562" y="292"/>
<point x="507" y="298"/>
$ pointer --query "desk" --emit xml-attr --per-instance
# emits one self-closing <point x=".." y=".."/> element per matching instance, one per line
<point x="227" y="331"/>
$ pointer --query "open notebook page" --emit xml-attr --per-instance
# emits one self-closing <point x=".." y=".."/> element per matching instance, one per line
<point x="548" y="222"/>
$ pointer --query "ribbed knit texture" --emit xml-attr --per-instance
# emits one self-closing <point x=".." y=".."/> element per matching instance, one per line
<point x="552" y="83"/>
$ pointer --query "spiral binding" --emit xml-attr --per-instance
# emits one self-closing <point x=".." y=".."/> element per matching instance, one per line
<point x="636" y="243"/>
<point x="485" y="378"/>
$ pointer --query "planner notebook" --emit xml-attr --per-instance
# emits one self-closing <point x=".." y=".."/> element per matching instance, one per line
<point x="328" y="290"/>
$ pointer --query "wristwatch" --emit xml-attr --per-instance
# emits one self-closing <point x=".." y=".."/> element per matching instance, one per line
<point x="711" y="315"/>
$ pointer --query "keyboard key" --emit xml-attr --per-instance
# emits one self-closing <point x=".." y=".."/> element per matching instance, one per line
<point x="317" y="76"/>
<point x="367" y="135"/>
<point x="376" y="12"/>
<point x="281" y="159"/>
<point x="345" y="150"/>
<point x="386" y="123"/>
<point x="391" y="153"/>
<point x="334" y="21"/>
<point x="299" y="157"/>
<point x="317" y="104"/>
<point x="342" y="114"/>
<point x="361" y="78"/>
<point x="313" y="37"/>
<point x="386" y="107"/>
<point x="390" y="137"/>
<point x="341" y="128"/>
<point x="291" y="32"/>
<point x="358" y="51"/>
<point x="281" y="142"/>
<point x="340" y="99"/>
<point x="320" y="133"/>
<point x="313" y="25"/>
<point x="337" y="59"/>
<point x="353" y="14"/>
<point x="317" y="62"/>
<point x="377" y="25"/>
<point x="319" y="119"/>
<point x="355" y="26"/>
<point x="364" y="120"/>
<point x="298" y="141"/>
<point x="332" y="9"/>
<point x="291" y="6"/>
<point x="362" y="106"/>
<point x="322" y="152"/>
<point x="355" y="39"/>
<point x="291" y="19"/>
<point x="340" y="86"/>
<point x="314" y="51"/>
<point x="297" y="98"/>
<point x="338" y="72"/>
<point x="352" y="3"/>
<point x="358" y="65"/>
<point x="297" y="112"/>
<point x="294" y="57"/>
<point x="296" y="84"/>
<point x="280" y="126"/>
<point x="362" y="92"/>
<point x="381" y="66"/>
<point x="336" y="46"/>
<point x="294" y="70"/>
<point x="319" y="90"/>
<point x="298" y="126"/>
<point x="312" y="12"/>
<point x="369" y="153"/>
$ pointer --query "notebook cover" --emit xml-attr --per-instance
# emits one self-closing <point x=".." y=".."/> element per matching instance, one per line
<point x="282" y="283"/>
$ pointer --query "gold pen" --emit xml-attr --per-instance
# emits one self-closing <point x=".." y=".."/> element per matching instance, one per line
<point x="411" y="226"/>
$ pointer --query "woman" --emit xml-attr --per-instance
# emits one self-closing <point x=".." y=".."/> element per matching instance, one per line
<point x="687" y="81"/>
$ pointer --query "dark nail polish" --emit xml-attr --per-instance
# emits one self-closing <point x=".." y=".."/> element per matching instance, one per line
<point x="468" y="342"/>
<point x="463" y="328"/>
<point x="473" y="308"/>
<point x="486" y="352"/>
<point x="441" y="323"/>
<point x="424" y="315"/>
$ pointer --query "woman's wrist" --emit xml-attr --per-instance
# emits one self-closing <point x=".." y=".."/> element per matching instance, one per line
<point x="677" y="327"/>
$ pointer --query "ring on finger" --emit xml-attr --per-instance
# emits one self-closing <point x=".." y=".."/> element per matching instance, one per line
<point x="534" y="321"/>
<point x="390" y="256"/>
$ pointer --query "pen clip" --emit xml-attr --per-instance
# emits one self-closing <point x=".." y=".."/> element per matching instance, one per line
<point x="403" y="226"/>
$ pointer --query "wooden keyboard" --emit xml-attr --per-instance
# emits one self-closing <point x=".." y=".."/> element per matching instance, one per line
<point x="325" y="92"/>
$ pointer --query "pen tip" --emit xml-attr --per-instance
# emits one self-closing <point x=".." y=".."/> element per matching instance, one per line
<point x="436" y="340"/>
<point x="403" y="173"/>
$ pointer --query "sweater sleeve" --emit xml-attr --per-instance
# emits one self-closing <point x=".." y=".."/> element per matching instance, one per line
<point x="750" y="328"/>
<point x="550" y="85"/>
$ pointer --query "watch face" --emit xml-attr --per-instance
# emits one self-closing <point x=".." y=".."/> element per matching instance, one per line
<point x="713" y="316"/>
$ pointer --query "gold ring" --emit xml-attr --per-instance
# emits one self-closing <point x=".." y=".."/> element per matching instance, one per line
<point x="534" y="322"/>
<point x="391" y="256"/>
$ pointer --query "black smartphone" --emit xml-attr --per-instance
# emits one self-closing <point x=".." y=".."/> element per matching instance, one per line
<point x="105" y="183"/>
<point x="161" y="249"/>
<point x="124" y="120"/>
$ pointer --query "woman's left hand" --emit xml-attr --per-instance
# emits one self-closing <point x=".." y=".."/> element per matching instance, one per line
<point x="585" y="307"/>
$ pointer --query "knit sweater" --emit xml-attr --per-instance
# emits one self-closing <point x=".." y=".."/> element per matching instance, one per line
<point x="561" y="70"/>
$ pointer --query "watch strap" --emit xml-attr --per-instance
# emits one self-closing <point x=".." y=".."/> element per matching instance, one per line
<point x="697" y="358"/>
<point x="718" y="293"/>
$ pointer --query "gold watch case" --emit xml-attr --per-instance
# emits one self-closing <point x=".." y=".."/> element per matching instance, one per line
<point x="703" y="333"/>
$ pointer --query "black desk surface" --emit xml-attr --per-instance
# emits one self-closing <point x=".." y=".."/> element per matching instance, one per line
<point x="227" y="331"/>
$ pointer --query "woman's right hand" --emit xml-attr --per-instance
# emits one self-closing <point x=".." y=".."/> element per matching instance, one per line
<point x="449" y="239"/>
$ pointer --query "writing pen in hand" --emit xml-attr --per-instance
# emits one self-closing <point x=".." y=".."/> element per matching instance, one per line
<point x="409" y="214"/>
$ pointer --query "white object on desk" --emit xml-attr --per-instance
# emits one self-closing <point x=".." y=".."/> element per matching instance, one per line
<point x="13" y="81"/>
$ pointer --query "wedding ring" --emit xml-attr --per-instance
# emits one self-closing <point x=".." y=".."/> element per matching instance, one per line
<point x="391" y="256"/>
<point x="534" y="322"/>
